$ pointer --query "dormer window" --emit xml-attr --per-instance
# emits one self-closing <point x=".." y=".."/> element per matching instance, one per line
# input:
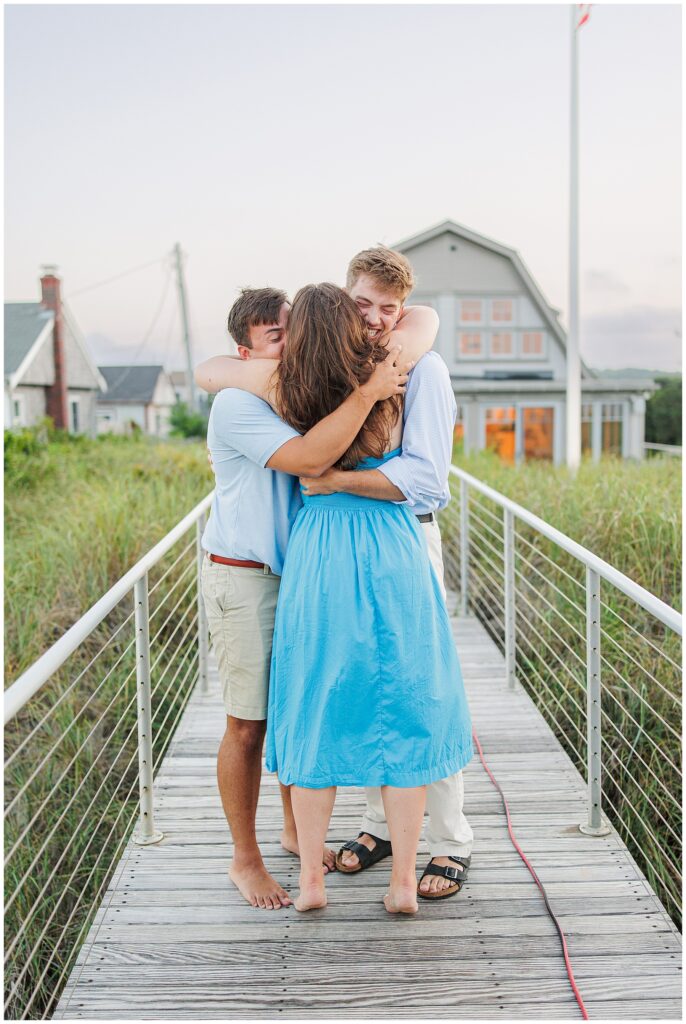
<point x="502" y="311"/>
<point x="471" y="311"/>
<point x="501" y="343"/>
<point x="532" y="343"/>
<point x="470" y="346"/>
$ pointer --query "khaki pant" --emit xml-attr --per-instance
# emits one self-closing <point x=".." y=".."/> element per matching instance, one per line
<point x="241" y="605"/>
<point x="448" y="834"/>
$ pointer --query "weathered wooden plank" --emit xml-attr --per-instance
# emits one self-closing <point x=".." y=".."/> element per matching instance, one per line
<point x="321" y="926"/>
<point x="656" y="1009"/>
<point x="588" y="953"/>
<point x="421" y="993"/>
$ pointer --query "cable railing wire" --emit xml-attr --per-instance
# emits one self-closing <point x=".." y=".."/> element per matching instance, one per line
<point x="66" y="692"/>
<point x="640" y="636"/>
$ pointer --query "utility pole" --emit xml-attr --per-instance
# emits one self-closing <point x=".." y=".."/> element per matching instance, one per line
<point x="573" y="403"/>
<point x="184" y="321"/>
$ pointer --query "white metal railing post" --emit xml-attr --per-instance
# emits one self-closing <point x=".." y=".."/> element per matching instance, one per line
<point x="146" y="833"/>
<point x="464" y="545"/>
<point x="203" y="633"/>
<point x="594" y="826"/>
<point x="509" y="588"/>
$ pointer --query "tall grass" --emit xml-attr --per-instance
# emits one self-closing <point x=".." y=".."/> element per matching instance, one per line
<point x="629" y="514"/>
<point x="78" y="514"/>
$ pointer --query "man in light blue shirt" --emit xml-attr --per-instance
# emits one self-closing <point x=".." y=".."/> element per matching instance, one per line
<point x="419" y="478"/>
<point x="257" y="459"/>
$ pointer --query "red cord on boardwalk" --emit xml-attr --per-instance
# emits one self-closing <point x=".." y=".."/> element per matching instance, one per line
<point x="536" y="879"/>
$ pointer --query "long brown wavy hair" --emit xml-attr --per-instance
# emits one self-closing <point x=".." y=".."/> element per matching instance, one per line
<point x="327" y="356"/>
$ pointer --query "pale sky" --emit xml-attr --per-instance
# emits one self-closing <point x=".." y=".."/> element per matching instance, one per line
<point x="274" y="142"/>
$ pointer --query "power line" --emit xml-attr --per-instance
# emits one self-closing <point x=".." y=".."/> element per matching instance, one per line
<point x="127" y="370"/>
<point x="117" y="277"/>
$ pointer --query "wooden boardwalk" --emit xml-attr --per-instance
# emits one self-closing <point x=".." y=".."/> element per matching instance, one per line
<point x="173" y="939"/>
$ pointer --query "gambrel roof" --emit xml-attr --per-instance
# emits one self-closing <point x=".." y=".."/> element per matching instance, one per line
<point x="525" y="275"/>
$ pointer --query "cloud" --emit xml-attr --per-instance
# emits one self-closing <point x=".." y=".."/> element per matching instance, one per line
<point x="605" y="282"/>
<point x="635" y="336"/>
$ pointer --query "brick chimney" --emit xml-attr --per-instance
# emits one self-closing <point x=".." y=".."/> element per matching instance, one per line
<point x="57" y="393"/>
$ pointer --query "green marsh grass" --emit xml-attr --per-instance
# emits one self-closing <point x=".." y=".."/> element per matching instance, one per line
<point x="78" y="515"/>
<point x="629" y="514"/>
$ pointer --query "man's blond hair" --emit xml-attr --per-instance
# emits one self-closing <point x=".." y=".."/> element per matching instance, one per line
<point x="387" y="267"/>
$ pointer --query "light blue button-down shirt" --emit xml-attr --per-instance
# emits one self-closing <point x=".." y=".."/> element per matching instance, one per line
<point x="254" y="508"/>
<point x="421" y="471"/>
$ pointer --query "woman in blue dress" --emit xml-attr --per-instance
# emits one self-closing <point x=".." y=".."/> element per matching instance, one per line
<point x="365" y="686"/>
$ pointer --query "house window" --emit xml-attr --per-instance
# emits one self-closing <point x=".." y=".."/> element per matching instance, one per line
<point x="18" y="412"/>
<point x="586" y="428"/>
<point x="470" y="346"/>
<point x="471" y="311"/>
<point x="612" y="428"/>
<point x="538" y="432"/>
<point x="501" y="343"/>
<point x="74" y="415"/>
<point x="500" y="432"/>
<point x="532" y="343"/>
<point x="501" y="311"/>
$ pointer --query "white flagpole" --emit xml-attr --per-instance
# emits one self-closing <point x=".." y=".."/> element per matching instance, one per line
<point x="573" y="359"/>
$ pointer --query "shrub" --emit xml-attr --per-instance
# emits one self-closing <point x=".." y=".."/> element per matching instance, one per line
<point x="187" y="423"/>
<point x="663" y="412"/>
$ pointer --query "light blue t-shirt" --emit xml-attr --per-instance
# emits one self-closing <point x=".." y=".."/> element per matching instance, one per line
<point x="421" y="471"/>
<point x="253" y="508"/>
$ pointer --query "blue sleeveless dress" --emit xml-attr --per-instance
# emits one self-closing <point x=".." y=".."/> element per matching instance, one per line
<point x="365" y="687"/>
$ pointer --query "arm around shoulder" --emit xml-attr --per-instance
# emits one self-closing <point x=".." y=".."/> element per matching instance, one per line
<point x="416" y="331"/>
<point x="253" y="375"/>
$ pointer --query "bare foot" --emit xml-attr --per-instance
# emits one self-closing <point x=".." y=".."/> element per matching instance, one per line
<point x="436" y="883"/>
<point x="401" y="899"/>
<point x="311" y="896"/>
<point x="289" y="842"/>
<point x="257" y="886"/>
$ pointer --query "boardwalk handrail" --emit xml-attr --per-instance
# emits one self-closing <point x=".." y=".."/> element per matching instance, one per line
<point x="21" y="691"/>
<point x="664" y="612"/>
<point x="597" y="651"/>
<point x="667" y="449"/>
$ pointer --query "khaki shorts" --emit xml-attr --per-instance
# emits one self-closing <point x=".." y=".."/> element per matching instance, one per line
<point x="241" y="605"/>
<point x="432" y="532"/>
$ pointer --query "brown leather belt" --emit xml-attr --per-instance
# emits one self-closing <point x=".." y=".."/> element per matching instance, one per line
<point x="236" y="561"/>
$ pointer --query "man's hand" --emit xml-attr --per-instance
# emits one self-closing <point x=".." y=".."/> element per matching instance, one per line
<point x="324" y="484"/>
<point x="389" y="377"/>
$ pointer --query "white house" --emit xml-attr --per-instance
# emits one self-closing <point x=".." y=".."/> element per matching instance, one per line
<point x="48" y="370"/>
<point x="506" y="352"/>
<point x="140" y="395"/>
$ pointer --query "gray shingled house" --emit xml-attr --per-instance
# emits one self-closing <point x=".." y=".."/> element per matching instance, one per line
<point x="506" y="352"/>
<point x="140" y="395"/>
<point x="48" y="370"/>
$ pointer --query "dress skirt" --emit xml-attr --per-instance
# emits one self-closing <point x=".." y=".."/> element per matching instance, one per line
<point x="365" y="687"/>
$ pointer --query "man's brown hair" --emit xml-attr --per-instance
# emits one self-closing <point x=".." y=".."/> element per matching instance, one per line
<point x="252" y="308"/>
<point x="388" y="268"/>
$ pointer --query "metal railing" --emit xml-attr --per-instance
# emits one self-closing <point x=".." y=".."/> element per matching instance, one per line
<point x="81" y="753"/>
<point x="666" y="449"/>
<point x="600" y="656"/>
